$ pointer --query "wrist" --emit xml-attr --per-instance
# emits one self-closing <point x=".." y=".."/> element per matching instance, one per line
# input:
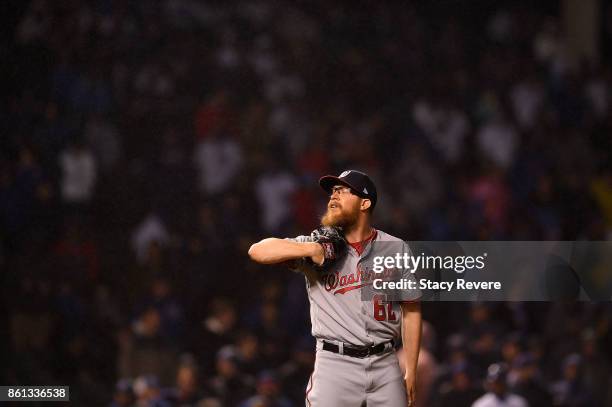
<point x="315" y="252"/>
<point x="314" y="249"/>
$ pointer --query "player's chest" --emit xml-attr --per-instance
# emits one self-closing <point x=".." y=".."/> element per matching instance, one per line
<point x="350" y="274"/>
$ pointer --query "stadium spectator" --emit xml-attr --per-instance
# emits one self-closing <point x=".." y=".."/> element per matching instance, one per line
<point x="187" y="391"/>
<point x="273" y="190"/>
<point x="596" y="368"/>
<point x="297" y="370"/>
<point x="498" y="394"/>
<point x="248" y="353"/>
<point x="124" y="395"/>
<point x="214" y="331"/>
<point x="148" y="392"/>
<point x="528" y="382"/>
<point x="147" y="237"/>
<point x="571" y="389"/>
<point x="268" y="392"/>
<point x="145" y="351"/>
<point x="459" y="390"/>
<point x="79" y="173"/>
<point x="218" y="159"/>
<point x="229" y="385"/>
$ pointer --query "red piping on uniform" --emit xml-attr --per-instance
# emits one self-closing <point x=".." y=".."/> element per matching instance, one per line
<point x="310" y="389"/>
<point x="347" y="289"/>
<point x="360" y="246"/>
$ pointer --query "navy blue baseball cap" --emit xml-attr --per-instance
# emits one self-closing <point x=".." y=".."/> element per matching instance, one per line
<point x="359" y="183"/>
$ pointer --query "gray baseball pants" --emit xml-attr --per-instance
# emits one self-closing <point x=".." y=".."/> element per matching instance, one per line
<point x="344" y="381"/>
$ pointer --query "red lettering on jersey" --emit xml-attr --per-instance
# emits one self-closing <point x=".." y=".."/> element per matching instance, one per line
<point x="382" y="312"/>
<point x="390" y="313"/>
<point x="351" y="288"/>
<point x="331" y="281"/>
<point x="349" y="282"/>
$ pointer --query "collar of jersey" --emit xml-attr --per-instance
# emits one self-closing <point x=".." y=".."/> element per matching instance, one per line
<point x="373" y="236"/>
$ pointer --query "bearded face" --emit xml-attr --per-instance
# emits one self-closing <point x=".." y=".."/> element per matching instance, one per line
<point x="342" y="212"/>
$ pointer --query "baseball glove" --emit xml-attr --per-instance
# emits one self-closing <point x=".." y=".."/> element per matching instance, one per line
<point x="333" y="242"/>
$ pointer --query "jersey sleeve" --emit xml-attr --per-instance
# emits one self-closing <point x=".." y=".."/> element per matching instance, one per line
<point x="299" y="265"/>
<point x="300" y="239"/>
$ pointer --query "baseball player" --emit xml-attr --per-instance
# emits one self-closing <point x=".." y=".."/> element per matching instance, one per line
<point x="356" y="364"/>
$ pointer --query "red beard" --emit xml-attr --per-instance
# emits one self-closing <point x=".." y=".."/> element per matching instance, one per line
<point x="345" y="217"/>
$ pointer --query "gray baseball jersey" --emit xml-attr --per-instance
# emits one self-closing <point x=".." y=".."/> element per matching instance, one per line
<point x="337" y="309"/>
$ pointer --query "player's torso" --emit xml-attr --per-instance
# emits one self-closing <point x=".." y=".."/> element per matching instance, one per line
<point x="342" y="306"/>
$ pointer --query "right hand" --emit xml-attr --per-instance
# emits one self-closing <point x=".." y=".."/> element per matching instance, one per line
<point x="410" y="380"/>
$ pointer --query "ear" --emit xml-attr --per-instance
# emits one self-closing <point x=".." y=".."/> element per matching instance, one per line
<point x="365" y="204"/>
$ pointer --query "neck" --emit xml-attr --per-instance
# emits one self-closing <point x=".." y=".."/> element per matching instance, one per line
<point x="359" y="231"/>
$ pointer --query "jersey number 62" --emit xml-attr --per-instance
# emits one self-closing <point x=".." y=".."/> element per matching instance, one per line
<point x="383" y="311"/>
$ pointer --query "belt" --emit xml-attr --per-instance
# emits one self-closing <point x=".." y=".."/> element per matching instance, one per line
<point x="358" y="352"/>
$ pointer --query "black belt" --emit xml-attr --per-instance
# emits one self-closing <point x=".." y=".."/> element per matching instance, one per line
<point x="357" y="352"/>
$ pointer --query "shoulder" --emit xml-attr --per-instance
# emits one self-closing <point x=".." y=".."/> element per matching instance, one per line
<point x="391" y="242"/>
<point x="386" y="237"/>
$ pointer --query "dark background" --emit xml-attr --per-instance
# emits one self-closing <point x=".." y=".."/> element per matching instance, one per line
<point x="145" y="145"/>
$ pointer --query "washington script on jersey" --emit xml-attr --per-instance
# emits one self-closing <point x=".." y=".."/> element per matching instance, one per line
<point x="360" y="278"/>
<point x="425" y="284"/>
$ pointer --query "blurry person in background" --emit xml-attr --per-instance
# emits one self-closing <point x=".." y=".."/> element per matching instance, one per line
<point x="498" y="394"/>
<point x="102" y="135"/>
<point x="595" y="367"/>
<point x="296" y="371"/>
<point x="148" y="392"/>
<point x="459" y="391"/>
<point x="456" y="346"/>
<point x="498" y="139"/>
<point x="76" y="259"/>
<point x="570" y="391"/>
<point x="482" y="334"/>
<point x="229" y="385"/>
<point x="214" y="331"/>
<point x="162" y="298"/>
<point x="145" y="350"/>
<point x="79" y="173"/>
<point x="124" y="394"/>
<point x="528" y="382"/>
<point x="511" y="349"/>
<point x="139" y="278"/>
<point x="218" y="156"/>
<point x="28" y="207"/>
<point x="274" y="189"/>
<point x="248" y="353"/>
<point x="150" y="232"/>
<point x="268" y="392"/>
<point x="187" y="392"/>
<point x="272" y="336"/>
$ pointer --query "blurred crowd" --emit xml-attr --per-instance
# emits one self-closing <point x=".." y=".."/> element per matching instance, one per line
<point x="146" y="145"/>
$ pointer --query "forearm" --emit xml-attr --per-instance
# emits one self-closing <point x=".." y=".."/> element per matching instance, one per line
<point x="273" y="250"/>
<point x="411" y="335"/>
